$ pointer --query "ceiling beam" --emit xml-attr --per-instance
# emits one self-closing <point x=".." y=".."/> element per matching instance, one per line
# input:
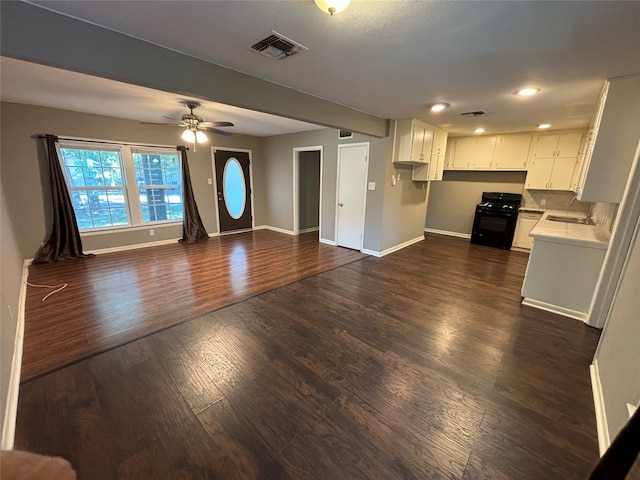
<point x="41" y="36"/>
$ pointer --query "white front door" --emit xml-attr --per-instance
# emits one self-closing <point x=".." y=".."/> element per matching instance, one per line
<point x="352" y="183"/>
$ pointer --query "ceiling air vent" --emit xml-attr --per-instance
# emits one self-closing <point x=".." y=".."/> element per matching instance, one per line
<point x="477" y="113"/>
<point x="278" y="46"/>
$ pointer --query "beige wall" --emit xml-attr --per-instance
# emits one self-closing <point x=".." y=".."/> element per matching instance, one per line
<point x="12" y="262"/>
<point x="452" y="202"/>
<point x="25" y="170"/>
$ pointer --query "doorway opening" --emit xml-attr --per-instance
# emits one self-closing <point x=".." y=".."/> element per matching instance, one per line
<point x="307" y="190"/>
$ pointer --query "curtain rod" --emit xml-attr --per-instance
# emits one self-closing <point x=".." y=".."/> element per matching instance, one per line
<point x="77" y="139"/>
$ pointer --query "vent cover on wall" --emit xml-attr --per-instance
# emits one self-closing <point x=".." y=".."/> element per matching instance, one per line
<point x="277" y="46"/>
<point x="476" y="113"/>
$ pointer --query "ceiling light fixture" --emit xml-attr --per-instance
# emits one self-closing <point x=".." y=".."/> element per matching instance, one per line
<point x="332" y="6"/>
<point x="544" y="125"/>
<point x="479" y="130"/>
<point x="438" y="107"/>
<point x="193" y="135"/>
<point x="525" y="92"/>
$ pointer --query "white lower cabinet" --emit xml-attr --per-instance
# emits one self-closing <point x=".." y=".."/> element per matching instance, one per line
<point x="526" y="222"/>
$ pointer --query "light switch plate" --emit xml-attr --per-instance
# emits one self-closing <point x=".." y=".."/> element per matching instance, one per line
<point x="372" y="186"/>
<point x="210" y="181"/>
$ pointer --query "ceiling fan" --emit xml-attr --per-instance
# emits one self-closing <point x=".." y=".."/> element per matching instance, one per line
<point x="194" y="125"/>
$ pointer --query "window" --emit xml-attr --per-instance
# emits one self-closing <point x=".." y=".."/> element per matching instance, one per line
<point x="103" y="198"/>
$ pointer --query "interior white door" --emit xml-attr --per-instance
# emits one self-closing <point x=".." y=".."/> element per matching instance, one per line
<point x="352" y="179"/>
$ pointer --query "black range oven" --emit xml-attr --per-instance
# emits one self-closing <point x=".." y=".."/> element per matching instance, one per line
<point x="495" y="220"/>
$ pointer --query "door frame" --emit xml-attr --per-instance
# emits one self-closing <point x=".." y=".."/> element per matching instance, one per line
<point x="364" y="190"/>
<point x="215" y="185"/>
<point x="296" y="186"/>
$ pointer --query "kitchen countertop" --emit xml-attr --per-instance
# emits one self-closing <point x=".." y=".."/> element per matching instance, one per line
<point x="531" y="210"/>
<point x="592" y="236"/>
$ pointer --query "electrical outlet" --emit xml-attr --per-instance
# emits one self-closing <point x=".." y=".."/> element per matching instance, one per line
<point x="210" y="181"/>
<point x="152" y="232"/>
<point x="543" y="202"/>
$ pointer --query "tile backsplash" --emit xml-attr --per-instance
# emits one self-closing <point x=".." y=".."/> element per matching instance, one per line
<point x="553" y="200"/>
<point x="603" y="214"/>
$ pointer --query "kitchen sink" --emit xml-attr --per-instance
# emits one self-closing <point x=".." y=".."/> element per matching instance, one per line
<point x="580" y="220"/>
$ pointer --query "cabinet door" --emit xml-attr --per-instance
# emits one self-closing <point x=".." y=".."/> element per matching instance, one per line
<point x="569" y="145"/>
<point x="439" y="142"/>
<point x="417" y="142"/>
<point x="449" y="153"/>
<point x="525" y="224"/>
<point x="546" y="146"/>
<point x="436" y="167"/>
<point x="427" y="145"/>
<point x="539" y="174"/>
<point x="512" y="152"/>
<point x="562" y="174"/>
<point x="483" y="155"/>
<point x="463" y="156"/>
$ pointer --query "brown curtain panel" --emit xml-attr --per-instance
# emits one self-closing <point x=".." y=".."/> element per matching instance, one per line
<point x="193" y="230"/>
<point x="64" y="240"/>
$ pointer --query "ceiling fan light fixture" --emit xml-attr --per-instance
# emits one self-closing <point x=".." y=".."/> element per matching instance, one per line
<point x="332" y="6"/>
<point x="544" y="125"/>
<point x="479" y="130"/>
<point x="188" y="136"/>
<point x="201" y="137"/>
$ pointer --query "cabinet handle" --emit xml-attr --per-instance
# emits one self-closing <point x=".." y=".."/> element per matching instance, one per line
<point x="550" y="185"/>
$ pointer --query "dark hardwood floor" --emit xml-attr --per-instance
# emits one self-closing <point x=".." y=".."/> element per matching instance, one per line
<point x="114" y="298"/>
<point x="419" y="365"/>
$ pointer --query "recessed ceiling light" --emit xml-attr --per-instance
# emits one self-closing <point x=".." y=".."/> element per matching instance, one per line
<point x="479" y="130"/>
<point x="525" y="92"/>
<point x="438" y="107"/>
<point x="544" y="125"/>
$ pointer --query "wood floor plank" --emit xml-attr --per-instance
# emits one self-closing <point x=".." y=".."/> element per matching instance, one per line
<point x="115" y="298"/>
<point x="419" y="365"/>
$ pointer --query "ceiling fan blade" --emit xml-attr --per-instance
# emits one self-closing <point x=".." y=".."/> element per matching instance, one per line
<point x="217" y="124"/>
<point x="171" y="118"/>
<point x="163" y="123"/>
<point x="215" y="130"/>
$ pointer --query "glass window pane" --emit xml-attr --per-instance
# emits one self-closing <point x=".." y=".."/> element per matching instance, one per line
<point x="234" y="188"/>
<point x="119" y="216"/>
<point x="101" y="217"/>
<point x="75" y="176"/>
<point x="79" y="200"/>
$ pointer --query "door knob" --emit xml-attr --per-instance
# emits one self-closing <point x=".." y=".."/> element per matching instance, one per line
<point x="341" y="205"/>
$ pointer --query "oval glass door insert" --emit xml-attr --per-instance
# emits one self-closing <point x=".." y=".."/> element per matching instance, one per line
<point x="235" y="197"/>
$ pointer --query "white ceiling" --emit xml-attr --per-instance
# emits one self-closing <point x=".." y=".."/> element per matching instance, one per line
<point x="387" y="58"/>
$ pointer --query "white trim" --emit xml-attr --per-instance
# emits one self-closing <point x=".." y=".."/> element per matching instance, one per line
<point x="274" y="229"/>
<point x="604" y="440"/>
<point x="309" y="230"/>
<point x="394" y="248"/>
<point x="135" y="246"/>
<point x="296" y="185"/>
<point x="367" y="145"/>
<point x="11" y="407"/>
<point x="215" y="182"/>
<point x="446" y="232"/>
<point x="328" y="242"/>
<point x="548" y="307"/>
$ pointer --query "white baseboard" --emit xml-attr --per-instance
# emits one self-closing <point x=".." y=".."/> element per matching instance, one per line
<point x="274" y="229"/>
<point x="309" y="230"/>
<point x="446" y="232"/>
<point x="604" y="440"/>
<point x="11" y="408"/>
<point x="565" y="312"/>
<point x="392" y="249"/>
<point x="328" y="242"/>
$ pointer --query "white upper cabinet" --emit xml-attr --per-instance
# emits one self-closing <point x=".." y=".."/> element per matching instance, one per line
<point x="553" y="161"/>
<point x="413" y="142"/>
<point x="612" y="142"/>
<point x="512" y="152"/>
<point x="488" y="152"/>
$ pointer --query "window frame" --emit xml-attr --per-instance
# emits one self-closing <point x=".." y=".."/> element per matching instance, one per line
<point x="130" y="187"/>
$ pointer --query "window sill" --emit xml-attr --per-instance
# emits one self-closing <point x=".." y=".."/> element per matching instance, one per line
<point x="147" y="226"/>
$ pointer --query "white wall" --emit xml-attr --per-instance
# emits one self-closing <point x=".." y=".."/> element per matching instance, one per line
<point x="618" y="355"/>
